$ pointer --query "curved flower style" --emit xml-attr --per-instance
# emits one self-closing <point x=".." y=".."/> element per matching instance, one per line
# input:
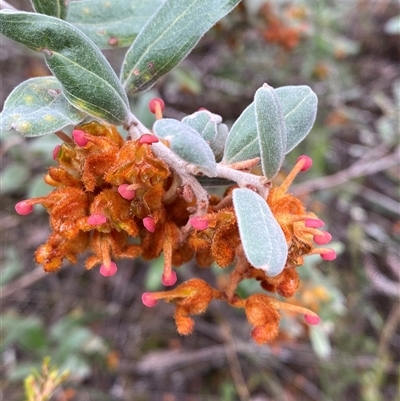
<point x="116" y="199"/>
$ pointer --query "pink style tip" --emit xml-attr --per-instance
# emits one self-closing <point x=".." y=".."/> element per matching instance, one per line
<point x="312" y="319"/>
<point x="149" y="223"/>
<point x="322" y="239"/>
<point x="314" y="223"/>
<point x="148" y="299"/>
<point x="56" y="152"/>
<point x="125" y="192"/>
<point x="153" y="102"/>
<point x="97" y="219"/>
<point x="108" y="271"/>
<point x="307" y="163"/>
<point x="148" y="138"/>
<point x="169" y="280"/>
<point x="79" y="137"/>
<point x="199" y="223"/>
<point x="329" y="254"/>
<point x="23" y="208"/>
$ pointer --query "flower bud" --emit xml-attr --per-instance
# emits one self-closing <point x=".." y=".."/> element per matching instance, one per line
<point x="323" y="238"/>
<point x="148" y="299"/>
<point x="307" y="162"/>
<point x="169" y="279"/>
<point x="23" y="208"/>
<point x="79" y="137"/>
<point x="108" y="271"/>
<point x="149" y="223"/>
<point x="125" y="192"/>
<point x="148" y="138"/>
<point x="199" y="223"/>
<point x="97" y="219"/>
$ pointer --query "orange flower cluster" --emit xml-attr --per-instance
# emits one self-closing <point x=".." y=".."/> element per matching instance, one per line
<point x="116" y="199"/>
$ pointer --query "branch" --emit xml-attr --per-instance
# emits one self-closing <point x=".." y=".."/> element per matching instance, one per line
<point x="358" y="169"/>
<point x="25" y="281"/>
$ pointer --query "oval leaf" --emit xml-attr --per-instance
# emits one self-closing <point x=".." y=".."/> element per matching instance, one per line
<point x="168" y="38"/>
<point x="113" y="23"/>
<point x="271" y="130"/>
<point x="54" y="8"/>
<point x="242" y="142"/>
<point x="87" y="78"/>
<point x="262" y="238"/>
<point x="299" y="105"/>
<point x="187" y="143"/>
<point x="209" y="126"/>
<point x="38" y="107"/>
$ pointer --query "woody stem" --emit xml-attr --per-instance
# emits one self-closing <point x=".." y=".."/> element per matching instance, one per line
<point x="237" y="275"/>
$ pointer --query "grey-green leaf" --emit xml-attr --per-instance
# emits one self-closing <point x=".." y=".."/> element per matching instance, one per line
<point x="209" y="126"/>
<point x="300" y="109"/>
<point x="262" y="238"/>
<point x="299" y="105"/>
<point x="168" y="38"/>
<point x="271" y="130"/>
<point x="54" y="8"/>
<point x="112" y="23"/>
<point x="187" y="143"/>
<point x="38" y="107"/>
<point x="242" y="143"/>
<point x="87" y="79"/>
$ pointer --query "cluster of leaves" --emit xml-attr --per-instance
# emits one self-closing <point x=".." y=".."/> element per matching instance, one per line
<point x="109" y="190"/>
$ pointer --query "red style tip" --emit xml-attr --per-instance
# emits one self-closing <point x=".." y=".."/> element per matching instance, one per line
<point x="322" y="239"/>
<point x="314" y="223"/>
<point x="79" y="137"/>
<point x="312" y="319"/>
<point x="148" y="299"/>
<point x="56" y="152"/>
<point x="202" y="109"/>
<point x="108" y="271"/>
<point x="23" y="208"/>
<point x="125" y="192"/>
<point x="149" y="223"/>
<point x="148" y="138"/>
<point x="199" y="223"/>
<point x="329" y="254"/>
<point x="170" y="279"/>
<point x="153" y="104"/>
<point x="97" y="219"/>
<point x="307" y="162"/>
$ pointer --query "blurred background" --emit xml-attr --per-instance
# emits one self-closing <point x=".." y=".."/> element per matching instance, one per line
<point x="116" y="349"/>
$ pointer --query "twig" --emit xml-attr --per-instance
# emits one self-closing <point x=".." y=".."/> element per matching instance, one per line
<point x="358" y="169"/>
<point x="378" y="280"/>
<point x="25" y="281"/>
<point x="6" y="6"/>
<point x="234" y="363"/>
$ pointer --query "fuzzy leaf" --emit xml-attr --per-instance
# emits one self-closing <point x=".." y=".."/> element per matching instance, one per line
<point x="209" y="126"/>
<point x="299" y="105"/>
<point x="54" y="8"/>
<point x="262" y="238"/>
<point x="271" y="130"/>
<point x="38" y="107"/>
<point x="168" y="38"/>
<point x="87" y="79"/>
<point x="242" y="143"/>
<point x="187" y="143"/>
<point x="112" y="23"/>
